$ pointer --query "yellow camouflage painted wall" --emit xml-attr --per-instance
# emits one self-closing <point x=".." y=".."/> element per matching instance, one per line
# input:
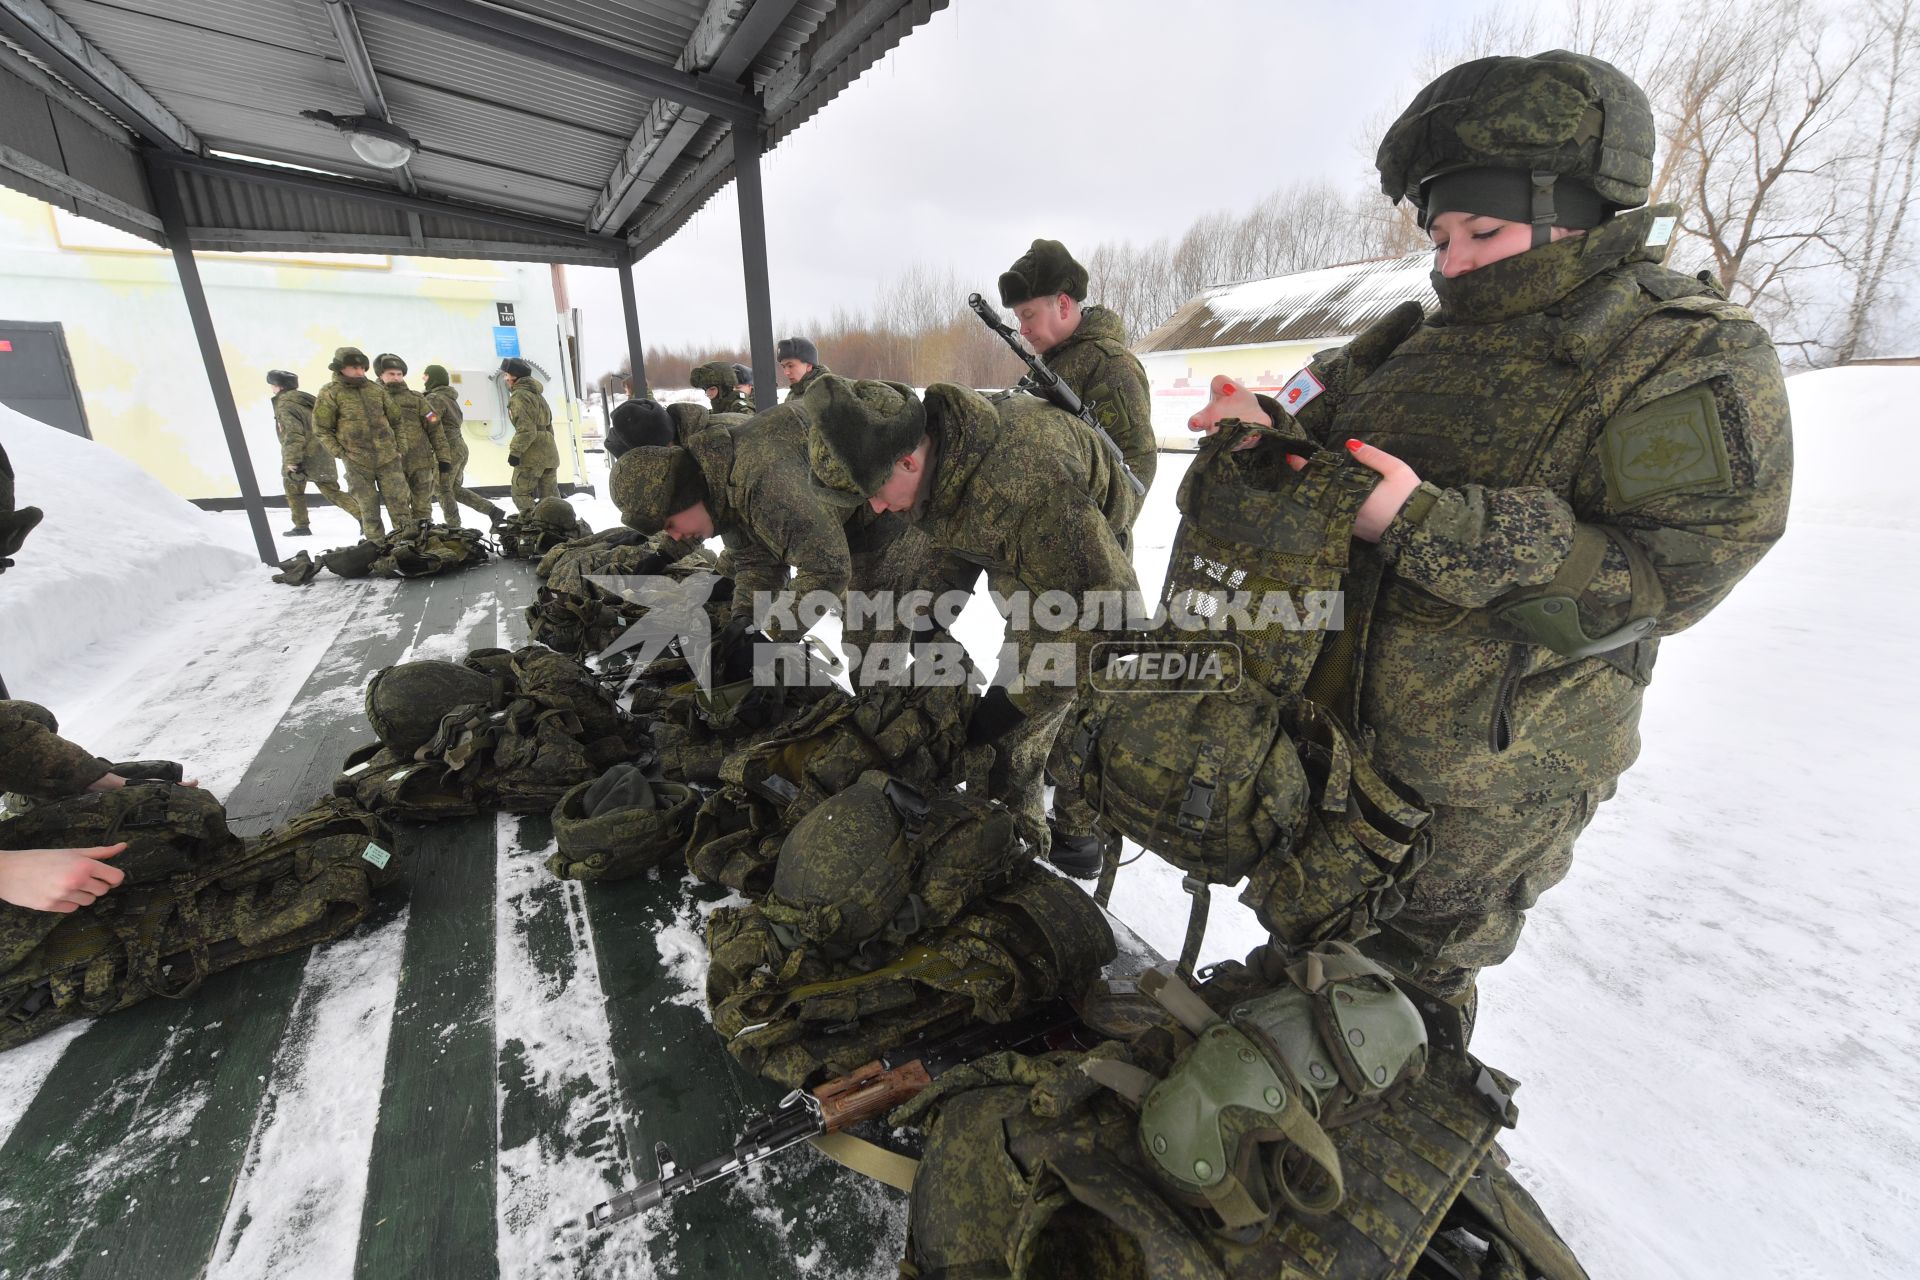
<point x="139" y="368"/>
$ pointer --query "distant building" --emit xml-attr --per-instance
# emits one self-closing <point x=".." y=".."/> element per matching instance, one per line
<point x="1260" y="332"/>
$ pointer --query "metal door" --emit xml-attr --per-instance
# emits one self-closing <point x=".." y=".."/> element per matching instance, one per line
<point x="36" y="375"/>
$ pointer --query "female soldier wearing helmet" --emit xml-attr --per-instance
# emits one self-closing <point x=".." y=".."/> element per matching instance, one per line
<point x="1580" y="452"/>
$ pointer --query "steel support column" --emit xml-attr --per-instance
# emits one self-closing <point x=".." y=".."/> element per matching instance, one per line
<point x="636" y="357"/>
<point x="747" y="145"/>
<point x="173" y="225"/>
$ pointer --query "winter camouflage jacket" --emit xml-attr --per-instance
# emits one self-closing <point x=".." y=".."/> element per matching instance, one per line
<point x="765" y="510"/>
<point x="299" y="445"/>
<point x="1589" y="427"/>
<point x="532" y="420"/>
<point x="350" y="417"/>
<point x="1096" y="363"/>
<point x="36" y="761"/>
<point x="416" y="428"/>
<point x="445" y="403"/>
<point x="1027" y="492"/>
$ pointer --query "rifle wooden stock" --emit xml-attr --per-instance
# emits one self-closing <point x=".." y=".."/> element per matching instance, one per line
<point x="868" y="1092"/>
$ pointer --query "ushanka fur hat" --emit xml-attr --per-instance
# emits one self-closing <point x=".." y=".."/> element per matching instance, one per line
<point x="1041" y="272"/>
<point x="859" y="430"/>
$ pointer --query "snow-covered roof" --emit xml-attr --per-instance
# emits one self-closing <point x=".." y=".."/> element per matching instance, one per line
<point x="1333" y="302"/>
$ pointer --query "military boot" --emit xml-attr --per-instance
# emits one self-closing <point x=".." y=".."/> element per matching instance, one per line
<point x="1080" y="856"/>
<point x="298" y="531"/>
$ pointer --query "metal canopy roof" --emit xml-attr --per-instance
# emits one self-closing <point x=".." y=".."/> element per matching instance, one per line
<point x="583" y="131"/>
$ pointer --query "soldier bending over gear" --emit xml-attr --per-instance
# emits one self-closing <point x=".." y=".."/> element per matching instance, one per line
<point x="531" y="453"/>
<point x="302" y="457"/>
<point x="350" y="417"/>
<point x="1018" y="487"/>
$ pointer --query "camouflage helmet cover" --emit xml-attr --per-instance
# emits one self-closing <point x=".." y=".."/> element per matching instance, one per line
<point x="845" y="869"/>
<point x="714" y="373"/>
<point x="652" y="482"/>
<point x="555" y="511"/>
<point x="1562" y="113"/>
<point x="405" y="703"/>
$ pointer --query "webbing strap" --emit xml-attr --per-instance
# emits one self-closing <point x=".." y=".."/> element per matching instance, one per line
<point x="1196" y="924"/>
<point x="867" y="1159"/>
<point x="1305" y="1133"/>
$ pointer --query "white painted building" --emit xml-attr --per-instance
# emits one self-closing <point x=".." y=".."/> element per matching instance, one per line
<point x="1260" y="332"/>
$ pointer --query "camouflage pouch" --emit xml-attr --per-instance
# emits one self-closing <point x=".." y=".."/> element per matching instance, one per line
<point x="428" y="550"/>
<point x="297" y="570"/>
<point x="355" y="561"/>
<point x="218" y="904"/>
<point x="619" y="825"/>
<point x="401" y="788"/>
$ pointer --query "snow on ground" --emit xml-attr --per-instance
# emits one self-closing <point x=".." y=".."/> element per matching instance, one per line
<point x="1710" y="1015"/>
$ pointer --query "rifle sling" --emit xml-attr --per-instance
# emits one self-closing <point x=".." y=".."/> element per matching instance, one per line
<point x="867" y="1159"/>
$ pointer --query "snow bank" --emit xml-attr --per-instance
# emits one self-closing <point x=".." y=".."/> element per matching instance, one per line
<point x="115" y="550"/>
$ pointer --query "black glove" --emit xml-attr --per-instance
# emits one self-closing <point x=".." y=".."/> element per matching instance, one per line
<point x="992" y="717"/>
<point x="446" y="468"/>
<point x="513" y="459"/>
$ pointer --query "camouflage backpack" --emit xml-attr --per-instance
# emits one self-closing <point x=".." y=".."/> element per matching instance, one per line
<point x="196" y="899"/>
<point x="529" y="535"/>
<point x="795" y="1015"/>
<point x="1298" y="1129"/>
<point x="548" y="726"/>
<point x="1254" y="772"/>
<point x="620" y="824"/>
<point x="415" y="551"/>
<point x="916" y="734"/>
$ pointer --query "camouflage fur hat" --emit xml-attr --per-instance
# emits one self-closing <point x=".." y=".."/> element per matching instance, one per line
<point x="652" y="482"/>
<point x="344" y="356"/>
<point x="1041" y="272"/>
<point x="387" y="360"/>
<point x="436" y="375"/>
<point x="859" y="430"/>
<point x="1559" y="113"/>
<point x="715" y="373"/>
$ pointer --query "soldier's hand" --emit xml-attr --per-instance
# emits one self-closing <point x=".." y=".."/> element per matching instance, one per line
<point x="1229" y="400"/>
<point x="58" y="879"/>
<point x="1397" y="483"/>
<point x="293" y="469"/>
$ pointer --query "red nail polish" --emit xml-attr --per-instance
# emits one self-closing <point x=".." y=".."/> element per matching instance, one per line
<point x="1353" y="446"/>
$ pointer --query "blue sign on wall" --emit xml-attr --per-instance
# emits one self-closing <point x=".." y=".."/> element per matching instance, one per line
<point x="506" y="340"/>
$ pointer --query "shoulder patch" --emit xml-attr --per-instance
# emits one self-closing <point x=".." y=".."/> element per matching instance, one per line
<point x="1672" y="445"/>
<point x="1299" y="391"/>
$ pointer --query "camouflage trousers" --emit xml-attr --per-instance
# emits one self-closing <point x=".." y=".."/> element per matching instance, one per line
<point x="1466" y="906"/>
<point x="530" y="484"/>
<point x="422" y="484"/>
<point x="1071" y="813"/>
<point x="454" y="495"/>
<point x="296" y="490"/>
<point x="371" y="487"/>
<point x="1018" y="779"/>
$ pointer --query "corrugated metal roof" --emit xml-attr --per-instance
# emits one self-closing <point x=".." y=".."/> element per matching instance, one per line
<point x="1307" y="306"/>
<point x="524" y="137"/>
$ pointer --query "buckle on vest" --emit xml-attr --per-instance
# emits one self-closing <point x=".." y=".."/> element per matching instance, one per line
<point x="1196" y="807"/>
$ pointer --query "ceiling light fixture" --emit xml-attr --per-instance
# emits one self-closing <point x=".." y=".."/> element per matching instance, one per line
<point x="380" y="143"/>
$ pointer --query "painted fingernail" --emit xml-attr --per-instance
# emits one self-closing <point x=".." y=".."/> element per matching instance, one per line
<point x="1354" y="446"/>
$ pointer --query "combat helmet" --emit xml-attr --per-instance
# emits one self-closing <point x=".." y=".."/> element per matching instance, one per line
<point x="714" y="373"/>
<point x="405" y="703"/>
<point x="846" y="868"/>
<point x="1561" y="138"/>
<point x="557" y="512"/>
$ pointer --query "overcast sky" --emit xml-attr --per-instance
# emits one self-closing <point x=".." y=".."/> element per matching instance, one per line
<point x="1002" y="120"/>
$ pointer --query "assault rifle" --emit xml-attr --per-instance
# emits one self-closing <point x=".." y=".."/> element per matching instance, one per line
<point x="862" y="1094"/>
<point x="1052" y="386"/>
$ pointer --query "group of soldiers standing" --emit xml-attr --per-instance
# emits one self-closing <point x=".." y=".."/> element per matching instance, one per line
<point x="403" y="449"/>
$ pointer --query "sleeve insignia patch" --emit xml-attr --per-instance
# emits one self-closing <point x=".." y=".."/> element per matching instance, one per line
<point x="1299" y="391"/>
<point x="1673" y="445"/>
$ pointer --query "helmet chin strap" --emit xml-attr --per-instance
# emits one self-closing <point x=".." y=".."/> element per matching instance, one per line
<point x="1543" y="211"/>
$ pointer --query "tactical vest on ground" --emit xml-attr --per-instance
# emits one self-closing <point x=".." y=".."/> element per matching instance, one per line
<point x="576" y="615"/>
<point x="1254" y="771"/>
<point x="1040" y="1167"/>
<point x="530" y="535"/>
<point x="916" y="734"/>
<point x="415" y="551"/>
<point x="795" y="1016"/>
<point x="549" y="726"/>
<point x="196" y="899"/>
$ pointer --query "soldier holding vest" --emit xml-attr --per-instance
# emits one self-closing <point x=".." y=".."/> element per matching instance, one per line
<point x="35" y="761"/>
<point x="417" y="432"/>
<point x="350" y="417"/>
<point x="1581" y="452"/>
<point x="1017" y="488"/>
<point x="532" y="453"/>
<point x="445" y="402"/>
<point x="302" y="457"/>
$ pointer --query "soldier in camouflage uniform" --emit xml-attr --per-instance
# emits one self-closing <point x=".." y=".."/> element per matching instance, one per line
<point x="302" y="459"/>
<point x="747" y="482"/>
<point x="532" y="453"/>
<point x="445" y="402"/>
<point x="716" y="378"/>
<point x="417" y="432"/>
<point x="1018" y="488"/>
<point x="799" y="362"/>
<point x="743" y="382"/>
<point x="35" y="761"/>
<point x="1581" y="452"/>
<point x="1087" y="346"/>
<point x="350" y="417"/>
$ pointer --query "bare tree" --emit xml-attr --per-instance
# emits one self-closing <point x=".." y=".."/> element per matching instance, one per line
<point x="1879" y="247"/>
